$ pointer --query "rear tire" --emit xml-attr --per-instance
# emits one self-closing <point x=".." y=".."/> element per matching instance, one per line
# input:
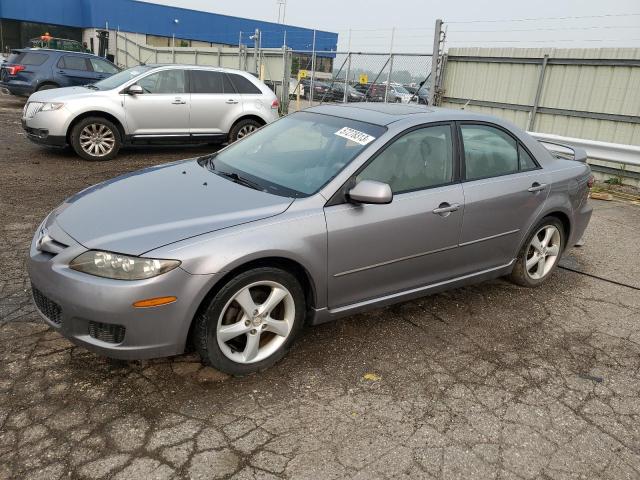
<point x="540" y="254"/>
<point x="251" y="322"/>
<point x="47" y="86"/>
<point x="96" y="139"/>
<point x="243" y="128"/>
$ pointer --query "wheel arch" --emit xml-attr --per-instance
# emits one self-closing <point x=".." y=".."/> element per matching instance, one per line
<point x="294" y="267"/>
<point x="248" y="116"/>
<point x="95" y="113"/>
<point x="46" y="82"/>
<point x="557" y="213"/>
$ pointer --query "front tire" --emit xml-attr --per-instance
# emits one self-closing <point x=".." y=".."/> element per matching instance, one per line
<point x="540" y="254"/>
<point x="243" y="128"/>
<point x="96" y="139"/>
<point x="251" y="322"/>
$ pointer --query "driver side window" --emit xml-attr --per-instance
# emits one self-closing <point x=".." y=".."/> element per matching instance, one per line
<point x="420" y="159"/>
<point x="167" y="82"/>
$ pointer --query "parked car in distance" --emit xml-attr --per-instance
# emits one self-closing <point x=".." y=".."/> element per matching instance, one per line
<point x="325" y="213"/>
<point x="374" y="92"/>
<point x="29" y="70"/>
<point x="336" y="93"/>
<point x="319" y="88"/>
<point x="150" y="104"/>
<point x="399" y="94"/>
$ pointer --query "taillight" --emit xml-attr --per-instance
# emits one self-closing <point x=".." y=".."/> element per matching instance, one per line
<point x="275" y="104"/>
<point x="591" y="181"/>
<point x="14" y="69"/>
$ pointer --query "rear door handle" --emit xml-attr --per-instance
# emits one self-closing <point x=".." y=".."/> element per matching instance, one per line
<point x="179" y="101"/>
<point x="232" y="101"/>
<point x="445" y="208"/>
<point x="536" y="187"/>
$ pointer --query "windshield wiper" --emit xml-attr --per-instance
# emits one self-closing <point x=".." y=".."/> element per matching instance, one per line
<point x="91" y="86"/>
<point x="234" y="177"/>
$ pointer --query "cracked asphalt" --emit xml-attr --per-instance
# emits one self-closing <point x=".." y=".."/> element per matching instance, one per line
<point x="490" y="381"/>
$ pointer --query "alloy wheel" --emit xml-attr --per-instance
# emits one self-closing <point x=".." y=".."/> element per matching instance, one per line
<point x="255" y="322"/>
<point x="246" y="130"/>
<point x="97" y="140"/>
<point x="543" y="252"/>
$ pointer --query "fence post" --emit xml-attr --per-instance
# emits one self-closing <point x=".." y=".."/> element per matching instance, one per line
<point x="536" y="101"/>
<point x="386" y="90"/>
<point x="313" y="67"/>
<point x="173" y="49"/>
<point x="435" y="60"/>
<point x="346" y="77"/>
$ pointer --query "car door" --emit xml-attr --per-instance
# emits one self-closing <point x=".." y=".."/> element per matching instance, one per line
<point x="504" y="189"/>
<point x="162" y="110"/>
<point x="377" y="250"/>
<point x="73" y="70"/>
<point x="215" y="104"/>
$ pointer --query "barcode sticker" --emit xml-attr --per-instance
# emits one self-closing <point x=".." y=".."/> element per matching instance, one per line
<point x="355" y="135"/>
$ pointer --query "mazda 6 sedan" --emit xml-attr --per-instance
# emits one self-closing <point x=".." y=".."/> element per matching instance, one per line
<point x="324" y="213"/>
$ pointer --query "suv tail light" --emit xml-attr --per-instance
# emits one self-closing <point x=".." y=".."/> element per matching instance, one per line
<point x="14" y="69"/>
<point x="275" y="104"/>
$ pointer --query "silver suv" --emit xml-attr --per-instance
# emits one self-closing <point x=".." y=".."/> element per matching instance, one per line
<point x="150" y="104"/>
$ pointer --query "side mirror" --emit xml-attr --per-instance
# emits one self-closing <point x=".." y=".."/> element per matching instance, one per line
<point x="370" y="191"/>
<point x="135" y="90"/>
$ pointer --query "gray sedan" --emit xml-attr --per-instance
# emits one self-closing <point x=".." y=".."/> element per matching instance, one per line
<point x="322" y="214"/>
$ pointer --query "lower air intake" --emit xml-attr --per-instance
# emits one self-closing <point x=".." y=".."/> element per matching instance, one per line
<point x="107" y="332"/>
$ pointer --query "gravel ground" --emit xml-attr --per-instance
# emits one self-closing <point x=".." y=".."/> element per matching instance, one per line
<point x="491" y="381"/>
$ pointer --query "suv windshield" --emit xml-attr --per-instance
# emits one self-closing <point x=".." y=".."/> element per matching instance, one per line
<point x="297" y="155"/>
<point x="114" y="81"/>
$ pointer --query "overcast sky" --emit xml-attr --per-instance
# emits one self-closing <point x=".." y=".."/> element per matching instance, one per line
<point x="510" y="23"/>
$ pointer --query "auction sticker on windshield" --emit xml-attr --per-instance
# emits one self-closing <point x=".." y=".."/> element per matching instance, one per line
<point x="355" y="135"/>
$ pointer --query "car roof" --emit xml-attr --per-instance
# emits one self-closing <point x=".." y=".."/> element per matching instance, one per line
<point x="388" y="113"/>
<point x="53" y="50"/>
<point x="197" y="67"/>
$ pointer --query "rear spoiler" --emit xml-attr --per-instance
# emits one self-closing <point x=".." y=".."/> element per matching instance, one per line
<point x="565" y="151"/>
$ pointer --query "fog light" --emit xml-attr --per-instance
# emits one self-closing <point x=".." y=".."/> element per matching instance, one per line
<point x="154" y="302"/>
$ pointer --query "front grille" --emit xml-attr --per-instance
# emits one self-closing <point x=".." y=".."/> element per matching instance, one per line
<point x="107" y="332"/>
<point x="31" y="108"/>
<point x="49" y="308"/>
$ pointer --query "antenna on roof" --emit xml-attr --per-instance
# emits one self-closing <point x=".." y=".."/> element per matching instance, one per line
<point x="282" y="9"/>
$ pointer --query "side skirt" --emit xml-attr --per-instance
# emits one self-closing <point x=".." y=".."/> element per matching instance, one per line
<point x="324" y="315"/>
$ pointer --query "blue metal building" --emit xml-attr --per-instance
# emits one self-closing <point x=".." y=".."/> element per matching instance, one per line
<point x="23" y="19"/>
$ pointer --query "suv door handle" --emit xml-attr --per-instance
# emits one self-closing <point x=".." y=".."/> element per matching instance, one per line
<point x="179" y="101"/>
<point x="232" y="101"/>
<point x="445" y="208"/>
<point x="536" y="187"/>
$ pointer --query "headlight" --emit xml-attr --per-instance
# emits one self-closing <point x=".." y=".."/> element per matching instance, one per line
<point x="48" y="107"/>
<point x="120" y="267"/>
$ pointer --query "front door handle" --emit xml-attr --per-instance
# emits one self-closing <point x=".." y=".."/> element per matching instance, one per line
<point x="232" y="101"/>
<point x="179" y="101"/>
<point x="536" y="187"/>
<point x="445" y="208"/>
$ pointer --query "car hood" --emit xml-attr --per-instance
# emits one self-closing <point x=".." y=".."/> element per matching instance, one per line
<point x="147" y="209"/>
<point x="62" y="94"/>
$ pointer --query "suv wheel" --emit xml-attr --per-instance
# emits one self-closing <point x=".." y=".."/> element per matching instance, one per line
<point x="243" y="128"/>
<point x="540" y="254"/>
<point x="96" y="138"/>
<point x="47" y="86"/>
<point x="251" y="322"/>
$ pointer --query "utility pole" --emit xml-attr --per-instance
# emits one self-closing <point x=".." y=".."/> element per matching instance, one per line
<point x="313" y="67"/>
<point x="436" y="61"/>
<point x="386" y="90"/>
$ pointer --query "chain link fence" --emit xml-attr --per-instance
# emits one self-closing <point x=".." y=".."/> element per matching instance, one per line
<point x="344" y="77"/>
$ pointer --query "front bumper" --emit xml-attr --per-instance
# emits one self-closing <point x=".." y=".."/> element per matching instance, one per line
<point x="41" y="136"/>
<point x="97" y="313"/>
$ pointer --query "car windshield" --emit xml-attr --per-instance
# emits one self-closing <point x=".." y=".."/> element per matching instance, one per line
<point x="295" y="156"/>
<point x="114" y="81"/>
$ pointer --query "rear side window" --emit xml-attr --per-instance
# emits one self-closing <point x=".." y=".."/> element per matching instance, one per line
<point x="210" y="82"/>
<point x="488" y="152"/>
<point x="242" y="84"/>
<point x="526" y="162"/>
<point x="28" y="58"/>
<point x="72" y="62"/>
